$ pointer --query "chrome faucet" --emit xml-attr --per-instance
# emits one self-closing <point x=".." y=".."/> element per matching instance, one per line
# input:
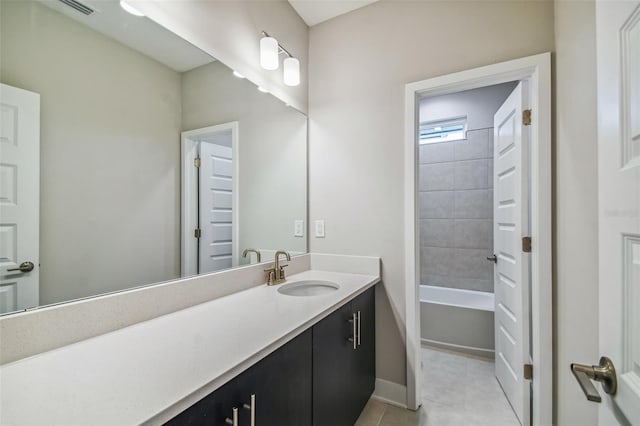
<point x="256" y="251"/>
<point x="276" y="275"/>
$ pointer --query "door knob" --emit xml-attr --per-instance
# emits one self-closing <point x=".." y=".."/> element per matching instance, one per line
<point x="24" y="267"/>
<point x="493" y="258"/>
<point x="604" y="373"/>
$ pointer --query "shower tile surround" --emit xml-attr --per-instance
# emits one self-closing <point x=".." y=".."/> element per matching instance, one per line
<point x="456" y="212"/>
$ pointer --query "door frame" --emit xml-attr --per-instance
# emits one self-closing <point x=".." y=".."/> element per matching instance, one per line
<point x="189" y="194"/>
<point x="537" y="71"/>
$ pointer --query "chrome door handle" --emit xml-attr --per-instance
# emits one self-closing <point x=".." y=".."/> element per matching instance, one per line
<point x="604" y="373"/>
<point x="252" y="409"/>
<point x="234" y="421"/>
<point x="493" y="258"/>
<point x="24" y="267"/>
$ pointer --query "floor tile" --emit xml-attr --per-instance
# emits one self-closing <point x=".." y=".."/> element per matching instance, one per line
<point x="372" y="413"/>
<point x="396" y="416"/>
<point x="457" y="390"/>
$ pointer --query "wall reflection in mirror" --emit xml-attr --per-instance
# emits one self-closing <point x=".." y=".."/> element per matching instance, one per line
<point x="104" y="118"/>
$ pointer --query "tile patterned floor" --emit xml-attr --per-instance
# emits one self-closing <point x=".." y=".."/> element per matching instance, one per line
<point x="457" y="390"/>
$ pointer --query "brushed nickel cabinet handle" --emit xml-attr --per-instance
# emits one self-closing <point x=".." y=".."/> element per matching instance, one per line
<point x="234" y="421"/>
<point x="252" y="409"/>
<point x="354" y="324"/>
<point x="358" y="328"/>
<point x="493" y="258"/>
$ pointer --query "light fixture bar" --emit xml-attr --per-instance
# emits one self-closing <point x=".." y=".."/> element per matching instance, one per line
<point x="282" y="49"/>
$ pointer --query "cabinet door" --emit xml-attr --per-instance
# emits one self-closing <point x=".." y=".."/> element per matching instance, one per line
<point x="332" y="370"/>
<point x="364" y="358"/>
<point x="213" y="409"/>
<point x="281" y="384"/>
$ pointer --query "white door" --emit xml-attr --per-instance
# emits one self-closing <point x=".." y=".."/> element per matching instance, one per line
<point x="512" y="267"/>
<point x="216" y="207"/>
<point x="618" y="57"/>
<point x="19" y="198"/>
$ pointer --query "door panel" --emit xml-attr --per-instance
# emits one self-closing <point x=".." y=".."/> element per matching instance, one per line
<point x="618" y="62"/>
<point x="19" y="197"/>
<point x="511" y="270"/>
<point x="216" y="207"/>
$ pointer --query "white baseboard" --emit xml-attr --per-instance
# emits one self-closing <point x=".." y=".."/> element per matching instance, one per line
<point x="391" y="393"/>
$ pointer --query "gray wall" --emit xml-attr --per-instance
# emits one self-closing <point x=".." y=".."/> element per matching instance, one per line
<point x="106" y="190"/>
<point x="357" y="73"/>
<point x="272" y="153"/>
<point x="230" y="31"/>
<point x="456" y="192"/>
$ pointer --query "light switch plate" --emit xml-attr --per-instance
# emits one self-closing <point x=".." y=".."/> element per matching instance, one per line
<point x="319" y="228"/>
<point x="298" y="228"/>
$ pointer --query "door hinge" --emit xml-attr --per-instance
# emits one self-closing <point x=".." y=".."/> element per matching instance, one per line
<point x="526" y="117"/>
<point x="197" y="233"/>
<point x="528" y="372"/>
<point x="196" y="162"/>
<point x="526" y="244"/>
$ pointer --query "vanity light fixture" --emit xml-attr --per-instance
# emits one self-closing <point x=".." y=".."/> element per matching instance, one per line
<point x="270" y="50"/>
<point x="132" y="10"/>
<point x="237" y="74"/>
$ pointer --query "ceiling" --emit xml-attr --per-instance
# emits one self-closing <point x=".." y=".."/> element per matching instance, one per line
<point x="139" y="33"/>
<point x="315" y="11"/>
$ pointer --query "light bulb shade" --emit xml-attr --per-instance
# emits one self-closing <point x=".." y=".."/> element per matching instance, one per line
<point x="269" y="53"/>
<point x="291" y="72"/>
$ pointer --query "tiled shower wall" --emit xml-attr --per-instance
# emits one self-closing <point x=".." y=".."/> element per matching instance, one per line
<point x="456" y="212"/>
<point x="456" y="191"/>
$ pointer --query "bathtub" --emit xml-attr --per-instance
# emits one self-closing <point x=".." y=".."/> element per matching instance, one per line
<point x="458" y="320"/>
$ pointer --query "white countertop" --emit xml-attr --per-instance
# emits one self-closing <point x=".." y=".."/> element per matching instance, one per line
<point x="148" y="372"/>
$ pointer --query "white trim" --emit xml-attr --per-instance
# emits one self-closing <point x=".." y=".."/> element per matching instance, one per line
<point x="390" y="393"/>
<point x="537" y="70"/>
<point x="189" y="196"/>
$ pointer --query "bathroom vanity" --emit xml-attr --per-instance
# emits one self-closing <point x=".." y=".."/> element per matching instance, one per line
<point x="305" y="358"/>
<point x="324" y="376"/>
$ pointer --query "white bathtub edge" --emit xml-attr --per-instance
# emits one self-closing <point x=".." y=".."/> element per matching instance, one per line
<point x="391" y="393"/>
<point x="478" y="352"/>
<point x="449" y="296"/>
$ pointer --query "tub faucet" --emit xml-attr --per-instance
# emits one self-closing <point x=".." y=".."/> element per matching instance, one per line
<point x="276" y="275"/>
<point x="256" y="251"/>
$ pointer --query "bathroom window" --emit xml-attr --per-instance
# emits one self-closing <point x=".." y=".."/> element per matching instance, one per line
<point x="453" y="129"/>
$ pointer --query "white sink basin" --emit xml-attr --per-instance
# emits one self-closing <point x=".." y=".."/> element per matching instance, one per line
<point x="308" y="288"/>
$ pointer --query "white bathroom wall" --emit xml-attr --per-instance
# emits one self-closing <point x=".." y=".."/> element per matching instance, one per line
<point x="576" y="207"/>
<point x="359" y="64"/>
<point x="84" y="158"/>
<point x="231" y="30"/>
<point x="272" y="153"/>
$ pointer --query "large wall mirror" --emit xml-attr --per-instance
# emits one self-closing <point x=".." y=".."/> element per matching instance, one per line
<point x="130" y="157"/>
